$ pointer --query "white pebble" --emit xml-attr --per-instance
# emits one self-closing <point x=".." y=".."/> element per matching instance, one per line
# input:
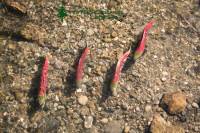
<point x="195" y="105"/>
<point x="163" y="79"/>
<point x="90" y="32"/>
<point x="82" y="100"/>
<point x="104" y="120"/>
<point x="56" y="98"/>
<point x="88" y="122"/>
<point x="147" y="108"/>
<point x="164" y="73"/>
<point x="64" y="23"/>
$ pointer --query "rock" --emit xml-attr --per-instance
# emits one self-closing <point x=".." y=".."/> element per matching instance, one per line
<point x="2" y="96"/>
<point x="11" y="46"/>
<point x="148" y="108"/>
<point x="17" y="6"/>
<point x="56" y="98"/>
<point x="90" y="32"/>
<point x="107" y="40"/>
<point x="18" y="95"/>
<point x="114" y="34"/>
<point x="82" y="100"/>
<point x="49" y="124"/>
<point x="198" y="26"/>
<point x="58" y="64"/>
<point x="34" y="32"/>
<point x="84" y="111"/>
<point x="159" y="125"/>
<point x="175" y="101"/>
<point x="126" y="129"/>
<point x="88" y="122"/>
<point x="125" y="106"/>
<point x="70" y="111"/>
<point x="64" y="23"/>
<point x="163" y="79"/>
<point x="37" y="116"/>
<point x="104" y="120"/>
<point x="137" y="109"/>
<point x="91" y="105"/>
<point x="195" y="105"/>
<point x="113" y="127"/>
<point x="196" y="129"/>
<point x="91" y="130"/>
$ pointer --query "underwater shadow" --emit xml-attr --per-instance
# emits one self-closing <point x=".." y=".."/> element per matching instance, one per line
<point x="33" y="92"/>
<point x="106" y="91"/>
<point x="147" y="129"/>
<point x="70" y="85"/>
<point x="13" y="10"/>
<point x="14" y="36"/>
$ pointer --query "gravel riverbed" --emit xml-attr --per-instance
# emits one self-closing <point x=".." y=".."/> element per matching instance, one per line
<point x="30" y="30"/>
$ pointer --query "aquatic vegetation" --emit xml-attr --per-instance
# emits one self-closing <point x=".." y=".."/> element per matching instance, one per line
<point x="100" y="14"/>
<point x="118" y="70"/>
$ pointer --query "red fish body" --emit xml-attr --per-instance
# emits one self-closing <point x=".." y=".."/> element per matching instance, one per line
<point x="79" y="72"/>
<point x="43" y="83"/>
<point x="118" y="70"/>
<point x="140" y="49"/>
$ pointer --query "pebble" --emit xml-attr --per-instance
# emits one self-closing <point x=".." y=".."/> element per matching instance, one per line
<point x="56" y="98"/>
<point x="48" y="124"/>
<point x="84" y="111"/>
<point x="159" y="125"/>
<point x="196" y="129"/>
<point x="58" y="64"/>
<point x="88" y="122"/>
<point x="83" y="100"/>
<point x="61" y="107"/>
<point x="137" y="109"/>
<point x="11" y="46"/>
<point x="195" y="105"/>
<point x="113" y="127"/>
<point x="104" y="120"/>
<point x="148" y="108"/>
<point x="164" y="73"/>
<point x="125" y="106"/>
<point x="155" y="56"/>
<point x="91" y="105"/>
<point x="163" y="30"/>
<point x="126" y="129"/>
<point x="175" y="101"/>
<point x="90" y="32"/>
<point x="163" y="79"/>
<point x="64" y="23"/>
<point x="55" y="105"/>
<point x="84" y="88"/>
<point x="114" y="34"/>
<point x="70" y="111"/>
<point x="93" y="130"/>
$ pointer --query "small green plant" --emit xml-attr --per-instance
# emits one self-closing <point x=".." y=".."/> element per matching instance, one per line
<point x="62" y="13"/>
<point x="100" y="14"/>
